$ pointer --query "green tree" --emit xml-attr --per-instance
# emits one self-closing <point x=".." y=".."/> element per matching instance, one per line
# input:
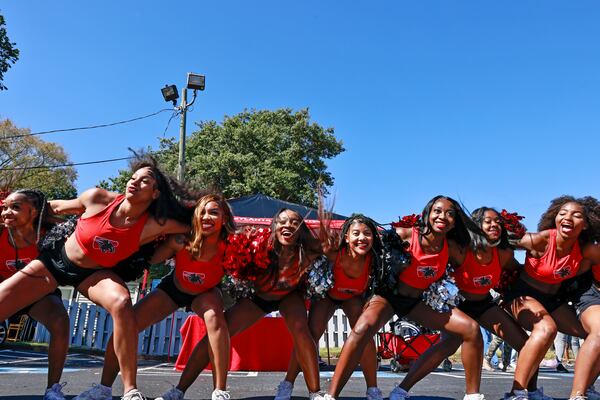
<point x="9" y="54"/>
<point x="29" y="152"/>
<point x="279" y="153"/>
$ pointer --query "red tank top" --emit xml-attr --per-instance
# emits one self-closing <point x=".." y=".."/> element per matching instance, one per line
<point x="345" y="287"/>
<point x="550" y="269"/>
<point x="287" y="280"/>
<point x="475" y="278"/>
<point x="105" y="244"/>
<point x="424" y="269"/>
<point x="8" y="262"/>
<point x="199" y="276"/>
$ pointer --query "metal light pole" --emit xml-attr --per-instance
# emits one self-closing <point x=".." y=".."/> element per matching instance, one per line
<point x="195" y="82"/>
<point x="181" y="163"/>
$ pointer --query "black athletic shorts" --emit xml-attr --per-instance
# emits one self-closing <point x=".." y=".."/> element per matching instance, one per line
<point x="62" y="269"/>
<point x="520" y="288"/>
<point x="180" y="298"/>
<point x="268" y="306"/>
<point x="590" y="297"/>
<point x="402" y="305"/>
<point x="476" y="308"/>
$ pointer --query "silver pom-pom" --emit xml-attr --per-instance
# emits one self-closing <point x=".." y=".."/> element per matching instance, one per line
<point x="237" y="288"/>
<point x="319" y="279"/>
<point x="443" y="295"/>
<point x="57" y="234"/>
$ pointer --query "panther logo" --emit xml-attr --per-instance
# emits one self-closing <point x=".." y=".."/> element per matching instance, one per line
<point x="482" y="281"/>
<point x="105" y="245"/>
<point x="194" y="277"/>
<point x="14" y="265"/>
<point x="562" y="272"/>
<point x="427" y="272"/>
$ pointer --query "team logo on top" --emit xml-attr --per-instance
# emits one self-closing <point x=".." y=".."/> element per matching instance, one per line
<point x="105" y="245"/>
<point x="562" y="272"/>
<point x="194" y="277"/>
<point x="14" y="265"/>
<point x="482" y="281"/>
<point x="427" y="272"/>
<point x="348" y="290"/>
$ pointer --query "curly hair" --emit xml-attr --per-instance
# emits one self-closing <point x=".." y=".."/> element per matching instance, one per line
<point x="480" y="242"/>
<point x="169" y="204"/>
<point x="196" y="240"/>
<point x="463" y="225"/>
<point x="591" y="209"/>
<point x="377" y="246"/>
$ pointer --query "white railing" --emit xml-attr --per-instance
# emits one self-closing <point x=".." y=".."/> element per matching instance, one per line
<point x="91" y="327"/>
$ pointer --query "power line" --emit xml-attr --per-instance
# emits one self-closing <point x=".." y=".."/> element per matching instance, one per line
<point x="88" y="127"/>
<point x="66" y="165"/>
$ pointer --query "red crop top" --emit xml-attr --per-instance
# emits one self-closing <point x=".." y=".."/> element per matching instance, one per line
<point x="473" y="277"/>
<point x="424" y="269"/>
<point x="199" y="276"/>
<point x="287" y="280"/>
<point x="345" y="287"/>
<point x="552" y="270"/>
<point x="8" y="262"/>
<point x="105" y="244"/>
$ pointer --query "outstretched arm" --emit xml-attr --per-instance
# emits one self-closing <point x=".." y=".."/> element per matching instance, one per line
<point x="80" y="204"/>
<point x="172" y="245"/>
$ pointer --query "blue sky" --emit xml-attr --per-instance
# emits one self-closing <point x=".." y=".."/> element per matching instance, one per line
<point x="492" y="103"/>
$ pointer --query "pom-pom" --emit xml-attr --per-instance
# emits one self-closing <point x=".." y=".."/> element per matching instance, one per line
<point x="319" y="278"/>
<point x="408" y="221"/>
<point x="247" y="254"/>
<point x="511" y="222"/>
<point x="394" y="258"/>
<point x="57" y="234"/>
<point x="237" y="288"/>
<point x="507" y="278"/>
<point x="443" y="295"/>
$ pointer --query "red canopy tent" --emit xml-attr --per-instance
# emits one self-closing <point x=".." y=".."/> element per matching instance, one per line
<point x="259" y="209"/>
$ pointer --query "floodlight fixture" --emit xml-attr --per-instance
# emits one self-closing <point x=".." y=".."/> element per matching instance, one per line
<point x="195" y="81"/>
<point x="170" y="93"/>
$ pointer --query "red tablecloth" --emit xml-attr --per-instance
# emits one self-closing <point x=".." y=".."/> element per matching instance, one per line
<point x="265" y="346"/>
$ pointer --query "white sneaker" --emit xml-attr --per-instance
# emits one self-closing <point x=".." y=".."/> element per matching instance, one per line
<point x="399" y="394"/>
<point x="592" y="394"/>
<point x="54" y="392"/>
<point x="538" y="394"/>
<point x="517" y="395"/>
<point x="474" y="396"/>
<point x="373" y="393"/>
<point x="218" y="394"/>
<point x="284" y="390"/>
<point x="133" y="394"/>
<point x="171" y="394"/>
<point x="319" y="396"/>
<point x="578" y="397"/>
<point x="96" y="392"/>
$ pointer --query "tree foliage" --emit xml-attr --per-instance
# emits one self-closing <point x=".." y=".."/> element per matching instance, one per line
<point x="27" y="152"/>
<point x="279" y="153"/>
<point x="9" y="54"/>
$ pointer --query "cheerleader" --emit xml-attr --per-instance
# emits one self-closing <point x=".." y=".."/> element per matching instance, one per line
<point x="25" y="219"/>
<point x="293" y="251"/>
<point x="192" y="283"/>
<point x="111" y="228"/>
<point x="479" y="270"/>
<point x="438" y="240"/>
<point x="553" y="255"/>
<point x="587" y="304"/>
<point x="354" y="260"/>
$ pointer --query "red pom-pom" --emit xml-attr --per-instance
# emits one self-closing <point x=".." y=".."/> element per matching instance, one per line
<point x="247" y="254"/>
<point x="408" y="221"/>
<point x="512" y="223"/>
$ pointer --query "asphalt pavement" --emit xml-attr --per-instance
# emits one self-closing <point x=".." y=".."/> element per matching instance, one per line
<point x="23" y="377"/>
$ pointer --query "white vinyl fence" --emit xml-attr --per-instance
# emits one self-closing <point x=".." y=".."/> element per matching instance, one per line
<point x="91" y="327"/>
